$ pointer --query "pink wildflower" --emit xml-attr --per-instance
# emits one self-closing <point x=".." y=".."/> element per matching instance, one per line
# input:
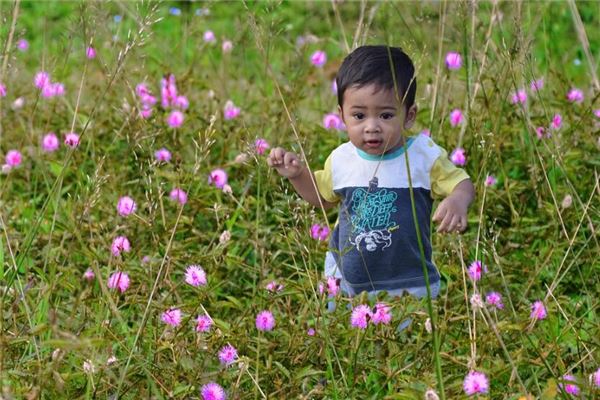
<point x="321" y="288"/>
<point x="597" y="113"/>
<point x="318" y="58"/>
<point x="195" y="276"/>
<point x="575" y="95"/>
<point x="476" y="269"/>
<point x="261" y="145"/>
<point x="22" y="44"/>
<point x="537" y="85"/>
<point x="72" y="140"/>
<point x="203" y="323"/>
<point x="539" y="132"/>
<point x="333" y="286"/>
<point x="319" y="232"/>
<point x="382" y="314"/>
<point x="570" y="388"/>
<point x="2" y="90"/>
<point x="333" y="121"/>
<point x="141" y="89"/>
<point x="490" y="180"/>
<point x="90" y="53"/>
<point x="310" y="332"/>
<point x="458" y="156"/>
<point x="171" y="317"/>
<point x="227" y="354"/>
<point x="162" y="155"/>
<point x="89" y="275"/>
<point x="595" y="379"/>
<point x="494" y="299"/>
<point x="556" y="121"/>
<point x="217" y="177"/>
<point x="120" y="245"/>
<point x="230" y="111"/>
<point x="212" y="391"/>
<point x="227" y="46"/>
<point x="519" y="97"/>
<point x="334" y="88"/>
<point x="126" y="206"/>
<point x="274" y="287"/>
<point x="50" y="142"/>
<point x="53" y="89"/>
<point x="209" y="37"/>
<point x="13" y="158"/>
<point x="360" y="317"/>
<point x="181" y="102"/>
<point x="148" y="100"/>
<point x="453" y="61"/>
<point x="146" y="112"/>
<point x="178" y="195"/>
<point x="49" y="91"/>
<point x="265" y="321"/>
<point x="118" y="280"/>
<point x="168" y="91"/>
<point x="175" y="119"/>
<point x="475" y="382"/>
<point x="456" y="117"/>
<point x="538" y="310"/>
<point x="41" y="79"/>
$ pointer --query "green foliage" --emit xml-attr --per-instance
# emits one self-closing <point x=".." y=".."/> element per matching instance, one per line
<point x="58" y="215"/>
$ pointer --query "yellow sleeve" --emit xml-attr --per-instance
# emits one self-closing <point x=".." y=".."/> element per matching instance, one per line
<point x="445" y="176"/>
<point x="324" y="180"/>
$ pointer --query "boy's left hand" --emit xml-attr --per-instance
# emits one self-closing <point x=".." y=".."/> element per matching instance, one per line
<point x="452" y="212"/>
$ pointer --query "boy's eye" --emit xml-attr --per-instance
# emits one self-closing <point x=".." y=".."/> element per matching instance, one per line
<point x="387" y="116"/>
<point x="358" y="115"/>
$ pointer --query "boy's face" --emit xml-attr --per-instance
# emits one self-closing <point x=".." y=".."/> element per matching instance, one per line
<point x="374" y="119"/>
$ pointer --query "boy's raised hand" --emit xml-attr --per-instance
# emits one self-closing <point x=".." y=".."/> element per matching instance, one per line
<point x="286" y="163"/>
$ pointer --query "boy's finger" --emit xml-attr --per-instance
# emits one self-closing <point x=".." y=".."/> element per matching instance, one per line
<point x="439" y="214"/>
<point x="288" y="159"/>
<point x="454" y="224"/>
<point x="445" y="223"/>
<point x="277" y="155"/>
<point x="463" y="224"/>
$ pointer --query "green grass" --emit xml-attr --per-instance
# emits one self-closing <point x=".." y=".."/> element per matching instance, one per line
<point x="58" y="211"/>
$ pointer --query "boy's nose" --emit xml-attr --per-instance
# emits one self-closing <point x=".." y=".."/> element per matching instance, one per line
<point x="372" y="126"/>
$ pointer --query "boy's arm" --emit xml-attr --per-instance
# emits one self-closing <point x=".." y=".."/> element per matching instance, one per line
<point x="305" y="185"/>
<point x="288" y="165"/>
<point x="452" y="211"/>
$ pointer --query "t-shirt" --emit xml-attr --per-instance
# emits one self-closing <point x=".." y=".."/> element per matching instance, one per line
<point x="374" y="242"/>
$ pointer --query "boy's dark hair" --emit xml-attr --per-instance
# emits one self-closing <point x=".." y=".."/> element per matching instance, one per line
<point x="373" y="65"/>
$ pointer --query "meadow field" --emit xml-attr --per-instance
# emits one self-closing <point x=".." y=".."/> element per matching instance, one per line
<point x="147" y="251"/>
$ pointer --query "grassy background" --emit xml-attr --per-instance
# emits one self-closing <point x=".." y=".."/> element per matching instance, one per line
<point x="59" y="218"/>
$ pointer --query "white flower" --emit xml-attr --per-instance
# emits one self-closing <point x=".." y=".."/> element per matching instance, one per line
<point x="88" y="367"/>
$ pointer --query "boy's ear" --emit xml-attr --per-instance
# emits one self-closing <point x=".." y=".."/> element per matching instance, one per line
<point x="341" y="113"/>
<point x="411" y="117"/>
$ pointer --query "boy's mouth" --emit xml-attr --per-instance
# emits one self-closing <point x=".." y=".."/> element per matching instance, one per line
<point x="373" y="143"/>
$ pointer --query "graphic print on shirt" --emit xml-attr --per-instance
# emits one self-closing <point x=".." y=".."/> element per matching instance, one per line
<point x="372" y="222"/>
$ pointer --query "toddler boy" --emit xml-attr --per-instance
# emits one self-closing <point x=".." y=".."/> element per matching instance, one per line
<point x="374" y="245"/>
